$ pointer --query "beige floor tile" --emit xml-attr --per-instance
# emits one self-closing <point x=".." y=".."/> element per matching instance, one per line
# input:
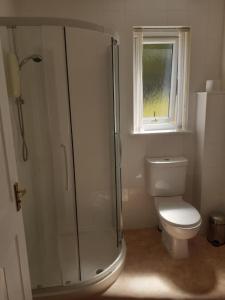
<point x="150" y="273"/>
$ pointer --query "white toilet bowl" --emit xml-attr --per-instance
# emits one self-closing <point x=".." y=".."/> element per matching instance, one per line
<point x="166" y="177"/>
<point x="180" y="222"/>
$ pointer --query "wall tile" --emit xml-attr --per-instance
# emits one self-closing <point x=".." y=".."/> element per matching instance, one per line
<point x="177" y="5"/>
<point x="142" y="5"/>
<point x="178" y="18"/>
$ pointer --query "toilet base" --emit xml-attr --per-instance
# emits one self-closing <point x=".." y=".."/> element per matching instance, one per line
<point x="177" y="248"/>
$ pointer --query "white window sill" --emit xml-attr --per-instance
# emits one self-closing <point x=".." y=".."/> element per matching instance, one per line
<point x="163" y="131"/>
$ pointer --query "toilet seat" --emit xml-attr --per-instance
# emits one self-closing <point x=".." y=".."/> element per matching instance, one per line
<point x="177" y="212"/>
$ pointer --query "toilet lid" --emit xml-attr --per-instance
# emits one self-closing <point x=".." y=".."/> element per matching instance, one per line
<point x="177" y="212"/>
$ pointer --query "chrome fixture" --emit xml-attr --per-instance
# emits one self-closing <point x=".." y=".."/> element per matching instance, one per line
<point x="35" y="57"/>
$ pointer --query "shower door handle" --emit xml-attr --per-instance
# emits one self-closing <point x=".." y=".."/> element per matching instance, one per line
<point x="121" y="151"/>
<point x="66" y="167"/>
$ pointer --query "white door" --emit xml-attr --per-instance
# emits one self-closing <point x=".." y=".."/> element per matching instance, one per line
<point x="14" y="273"/>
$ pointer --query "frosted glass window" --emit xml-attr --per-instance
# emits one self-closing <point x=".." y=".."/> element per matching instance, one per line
<point x="157" y="72"/>
<point x="161" y="57"/>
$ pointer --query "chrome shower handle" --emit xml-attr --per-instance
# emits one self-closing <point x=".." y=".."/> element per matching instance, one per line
<point x="66" y="166"/>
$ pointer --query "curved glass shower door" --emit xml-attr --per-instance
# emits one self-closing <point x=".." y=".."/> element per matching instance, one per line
<point x="92" y="111"/>
<point x="72" y="210"/>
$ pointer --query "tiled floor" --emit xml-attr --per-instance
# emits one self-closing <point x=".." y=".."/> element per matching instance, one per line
<point x="150" y="273"/>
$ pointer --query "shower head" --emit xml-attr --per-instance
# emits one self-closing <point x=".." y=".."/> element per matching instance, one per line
<point x="35" y="57"/>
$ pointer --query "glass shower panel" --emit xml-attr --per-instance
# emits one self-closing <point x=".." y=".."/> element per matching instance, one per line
<point x="48" y="174"/>
<point x="90" y="84"/>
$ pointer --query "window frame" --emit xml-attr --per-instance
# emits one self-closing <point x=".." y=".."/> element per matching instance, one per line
<point x="180" y="38"/>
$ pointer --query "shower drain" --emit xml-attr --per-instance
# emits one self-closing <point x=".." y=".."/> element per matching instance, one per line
<point x="98" y="271"/>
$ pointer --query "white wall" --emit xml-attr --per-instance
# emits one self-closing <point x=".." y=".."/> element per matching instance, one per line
<point x="206" y="20"/>
<point x="7" y="8"/>
<point x="210" y="141"/>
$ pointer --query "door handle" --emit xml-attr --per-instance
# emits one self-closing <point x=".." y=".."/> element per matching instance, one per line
<point x="66" y="166"/>
<point x="19" y="193"/>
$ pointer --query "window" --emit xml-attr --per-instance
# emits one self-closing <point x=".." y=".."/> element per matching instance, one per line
<point x="161" y="71"/>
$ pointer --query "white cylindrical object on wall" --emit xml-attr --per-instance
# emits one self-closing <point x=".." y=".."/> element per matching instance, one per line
<point x="213" y="85"/>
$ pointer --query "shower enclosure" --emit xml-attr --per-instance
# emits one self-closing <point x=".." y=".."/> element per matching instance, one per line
<point x="72" y="208"/>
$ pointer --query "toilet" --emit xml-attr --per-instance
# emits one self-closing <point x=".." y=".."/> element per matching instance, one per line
<point x="179" y="220"/>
